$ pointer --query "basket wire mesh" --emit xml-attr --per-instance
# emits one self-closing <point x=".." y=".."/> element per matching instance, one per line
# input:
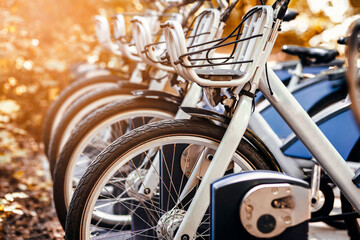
<point x="247" y="43"/>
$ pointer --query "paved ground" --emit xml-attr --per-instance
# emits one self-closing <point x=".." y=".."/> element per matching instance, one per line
<point x="321" y="231"/>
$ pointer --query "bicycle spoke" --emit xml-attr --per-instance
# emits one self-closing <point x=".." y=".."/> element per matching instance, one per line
<point x="121" y="192"/>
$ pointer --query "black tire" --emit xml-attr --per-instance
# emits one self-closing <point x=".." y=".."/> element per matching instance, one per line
<point x="352" y="225"/>
<point x="353" y="228"/>
<point x="81" y="108"/>
<point x="352" y="73"/>
<point x="104" y="116"/>
<point x="72" y="89"/>
<point x="128" y="144"/>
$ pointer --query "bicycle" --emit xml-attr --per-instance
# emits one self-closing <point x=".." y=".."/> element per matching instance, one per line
<point x="280" y="98"/>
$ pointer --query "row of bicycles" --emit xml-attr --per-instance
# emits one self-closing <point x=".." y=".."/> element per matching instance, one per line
<point x="196" y="137"/>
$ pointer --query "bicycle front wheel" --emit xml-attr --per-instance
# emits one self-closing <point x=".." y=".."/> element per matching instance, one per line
<point x="94" y="134"/>
<point x="146" y="172"/>
<point x="67" y="97"/>
<point x="81" y="108"/>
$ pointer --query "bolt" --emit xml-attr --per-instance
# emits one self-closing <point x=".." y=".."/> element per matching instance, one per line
<point x="185" y="237"/>
<point x="187" y="173"/>
<point x="147" y="191"/>
<point x="249" y="208"/>
<point x="287" y="220"/>
<point x="248" y="227"/>
<point x="276" y="204"/>
<point x="275" y="190"/>
<point x="266" y="223"/>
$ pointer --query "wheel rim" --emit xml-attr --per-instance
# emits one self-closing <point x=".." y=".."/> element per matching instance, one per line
<point x="71" y="99"/>
<point x="71" y="179"/>
<point x="86" y="111"/>
<point x="154" y="210"/>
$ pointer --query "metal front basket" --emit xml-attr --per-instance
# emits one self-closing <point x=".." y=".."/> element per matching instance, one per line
<point x="103" y="34"/>
<point x="149" y="51"/>
<point x="123" y="40"/>
<point x="203" y="28"/>
<point x="248" y="45"/>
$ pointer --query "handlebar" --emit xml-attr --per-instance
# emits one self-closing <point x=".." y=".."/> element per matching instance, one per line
<point x="225" y="16"/>
<point x="290" y="14"/>
<point x="343" y="40"/>
<point x="280" y="7"/>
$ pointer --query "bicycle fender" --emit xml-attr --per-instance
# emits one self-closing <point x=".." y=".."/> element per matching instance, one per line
<point x="157" y="94"/>
<point x="131" y="86"/>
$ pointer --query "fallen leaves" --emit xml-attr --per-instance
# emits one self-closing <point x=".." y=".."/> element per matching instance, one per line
<point x="9" y="107"/>
<point x="26" y="210"/>
<point x="25" y="201"/>
<point x="10" y="147"/>
<point x="38" y="43"/>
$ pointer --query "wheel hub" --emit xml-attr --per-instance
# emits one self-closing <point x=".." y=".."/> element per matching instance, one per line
<point x="169" y="223"/>
<point x="133" y="182"/>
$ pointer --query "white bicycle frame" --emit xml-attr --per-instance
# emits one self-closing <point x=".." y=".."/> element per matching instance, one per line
<point x="302" y="125"/>
<point x="290" y="165"/>
<point x="293" y="114"/>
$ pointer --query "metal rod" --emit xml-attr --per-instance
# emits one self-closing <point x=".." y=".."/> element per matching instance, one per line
<point x="315" y="184"/>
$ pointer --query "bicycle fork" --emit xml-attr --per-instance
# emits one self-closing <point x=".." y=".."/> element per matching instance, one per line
<point x="217" y="169"/>
<point x="152" y="179"/>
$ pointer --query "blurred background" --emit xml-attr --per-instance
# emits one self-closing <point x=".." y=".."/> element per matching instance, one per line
<point x="41" y="39"/>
